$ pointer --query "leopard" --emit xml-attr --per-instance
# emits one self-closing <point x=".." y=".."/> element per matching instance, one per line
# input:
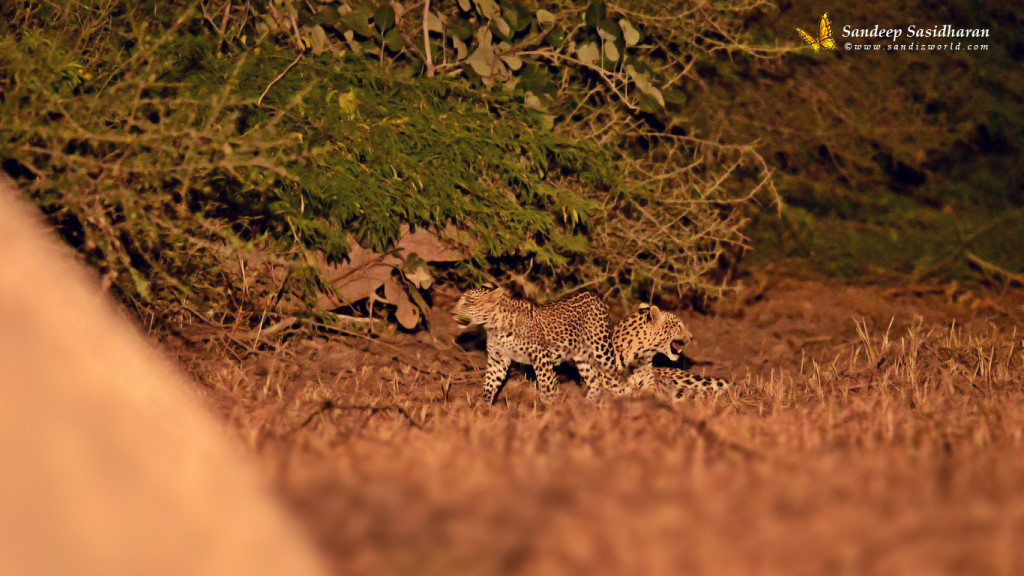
<point x="638" y="338"/>
<point x="576" y="328"/>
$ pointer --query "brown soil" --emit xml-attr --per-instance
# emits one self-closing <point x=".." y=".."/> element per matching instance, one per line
<point x="880" y="450"/>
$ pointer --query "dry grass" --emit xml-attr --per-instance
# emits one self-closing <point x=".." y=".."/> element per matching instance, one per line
<point x="881" y="451"/>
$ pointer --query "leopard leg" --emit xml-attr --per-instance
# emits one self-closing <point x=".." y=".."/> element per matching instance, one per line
<point x="615" y="384"/>
<point x="599" y="374"/>
<point x="588" y="376"/>
<point x="624" y="386"/>
<point x="642" y="381"/>
<point x="497" y="369"/>
<point x="598" y="382"/>
<point x="546" y="380"/>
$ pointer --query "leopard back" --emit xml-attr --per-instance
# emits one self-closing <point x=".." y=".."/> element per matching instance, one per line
<point x="575" y="327"/>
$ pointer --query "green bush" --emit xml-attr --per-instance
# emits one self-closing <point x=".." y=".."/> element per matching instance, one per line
<point x="223" y="156"/>
<point x="166" y="172"/>
<point x="893" y="161"/>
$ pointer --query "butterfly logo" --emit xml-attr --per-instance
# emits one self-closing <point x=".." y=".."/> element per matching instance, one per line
<point x="824" y="40"/>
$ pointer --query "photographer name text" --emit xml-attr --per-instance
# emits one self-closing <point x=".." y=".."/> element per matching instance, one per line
<point x="913" y="31"/>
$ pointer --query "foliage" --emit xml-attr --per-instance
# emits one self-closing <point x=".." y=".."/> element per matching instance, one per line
<point x="176" y="184"/>
<point x="616" y="74"/>
<point x="232" y="156"/>
<point x="893" y="161"/>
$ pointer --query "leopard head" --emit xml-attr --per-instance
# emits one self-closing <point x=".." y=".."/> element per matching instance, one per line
<point x="670" y="332"/>
<point x="477" y="307"/>
<point x="650" y="331"/>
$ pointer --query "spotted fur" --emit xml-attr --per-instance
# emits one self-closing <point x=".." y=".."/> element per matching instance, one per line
<point x="575" y="328"/>
<point x="674" y="384"/>
<point x="638" y="338"/>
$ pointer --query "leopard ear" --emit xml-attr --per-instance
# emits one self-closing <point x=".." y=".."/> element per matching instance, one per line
<point x="656" y="314"/>
<point x="495" y="294"/>
<point x="497" y="320"/>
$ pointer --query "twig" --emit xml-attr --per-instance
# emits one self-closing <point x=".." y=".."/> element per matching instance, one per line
<point x="240" y="337"/>
<point x="276" y="80"/>
<point x="225" y="331"/>
<point x="283" y="324"/>
<point x="426" y="40"/>
<point x="330" y="405"/>
<point x="607" y="77"/>
<point x="993" y="270"/>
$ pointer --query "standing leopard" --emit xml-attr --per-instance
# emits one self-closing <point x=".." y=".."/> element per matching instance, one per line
<point x="574" y="328"/>
<point x="649" y="331"/>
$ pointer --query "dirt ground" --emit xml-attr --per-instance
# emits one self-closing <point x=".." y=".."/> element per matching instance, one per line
<point x="871" y="431"/>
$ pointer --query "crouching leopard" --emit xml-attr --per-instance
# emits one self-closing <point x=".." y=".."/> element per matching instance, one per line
<point x="574" y="328"/>
<point x="639" y="337"/>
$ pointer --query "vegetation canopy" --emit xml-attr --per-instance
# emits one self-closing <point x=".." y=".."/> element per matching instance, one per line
<point x="293" y="158"/>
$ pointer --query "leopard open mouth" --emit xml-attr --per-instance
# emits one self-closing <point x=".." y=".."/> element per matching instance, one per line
<point x="677" y="346"/>
<point x="462" y="321"/>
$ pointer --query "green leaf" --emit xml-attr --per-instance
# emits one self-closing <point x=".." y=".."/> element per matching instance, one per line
<point x="629" y="34"/>
<point x="588" y="53"/>
<point x="350" y="39"/>
<point x="511" y="16"/>
<point x="649" y="104"/>
<point x="488" y="9"/>
<point x="435" y="23"/>
<point x="142" y="286"/>
<point x="555" y="38"/>
<point x="514" y="62"/>
<point x="358" y="21"/>
<point x="328" y="15"/>
<point x="482" y="60"/>
<point x="384" y="17"/>
<point x="643" y="84"/>
<point x="532" y="102"/>
<point x="609" y="30"/>
<point x="317" y="40"/>
<point x="537" y="79"/>
<point x="611" y="52"/>
<point x="394" y="41"/>
<point x="502" y="27"/>
<point x="417" y="272"/>
<point x="518" y="18"/>
<point x="657" y="96"/>
<point x="348" y="103"/>
<point x="595" y="13"/>
<point x="545" y="18"/>
<point x="460" y="28"/>
<point x="460" y="48"/>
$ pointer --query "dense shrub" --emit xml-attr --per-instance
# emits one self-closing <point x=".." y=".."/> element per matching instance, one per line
<point x="230" y="156"/>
